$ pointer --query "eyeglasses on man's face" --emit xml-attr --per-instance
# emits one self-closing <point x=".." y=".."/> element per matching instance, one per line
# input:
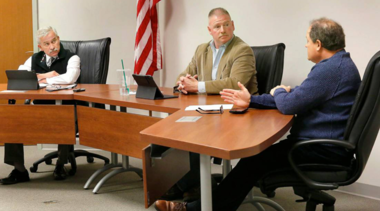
<point x="213" y="111"/>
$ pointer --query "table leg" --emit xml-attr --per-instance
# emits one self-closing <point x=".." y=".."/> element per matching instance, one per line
<point x="206" y="188"/>
<point x="226" y="167"/>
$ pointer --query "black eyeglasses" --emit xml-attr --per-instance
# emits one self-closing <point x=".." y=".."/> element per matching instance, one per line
<point x="213" y="111"/>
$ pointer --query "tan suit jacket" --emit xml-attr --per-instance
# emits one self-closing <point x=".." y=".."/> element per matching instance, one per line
<point x="236" y="64"/>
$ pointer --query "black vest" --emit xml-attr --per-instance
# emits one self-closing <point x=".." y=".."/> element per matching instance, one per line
<point x="59" y="65"/>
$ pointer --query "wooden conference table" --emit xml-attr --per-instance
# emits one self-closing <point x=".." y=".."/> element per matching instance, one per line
<point x="226" y="135"/>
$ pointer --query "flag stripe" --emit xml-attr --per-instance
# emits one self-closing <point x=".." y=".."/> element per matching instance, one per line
<point x="148" y="54"/>
<point x="144" y="56"/>
<point x="140" y="5"/>
<point x="142" y="42"/>
<point x="144" y="24"/>
<point x="147" y="64"/>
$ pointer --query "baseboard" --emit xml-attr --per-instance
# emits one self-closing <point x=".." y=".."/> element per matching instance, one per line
<point x="360" y="189"/>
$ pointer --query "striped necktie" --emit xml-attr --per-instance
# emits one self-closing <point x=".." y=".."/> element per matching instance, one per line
<point x="51" y="60"/>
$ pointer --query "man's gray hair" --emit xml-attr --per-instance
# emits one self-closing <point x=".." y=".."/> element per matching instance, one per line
<point x="42" y="32"/>
<point x="218" y="9"/>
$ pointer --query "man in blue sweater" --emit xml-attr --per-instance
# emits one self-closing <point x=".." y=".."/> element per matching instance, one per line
<point x="321" y="105"/>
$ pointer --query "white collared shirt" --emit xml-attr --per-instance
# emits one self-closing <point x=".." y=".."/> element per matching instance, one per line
<point x="70" y="77"/>
<point x="216" y="57"/>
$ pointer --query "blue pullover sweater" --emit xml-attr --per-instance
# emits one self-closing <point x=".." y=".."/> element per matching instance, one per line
<point x="322" y="103"/>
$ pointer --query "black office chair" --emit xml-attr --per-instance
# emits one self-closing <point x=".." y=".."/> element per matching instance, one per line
<point x="269" y="66"/>
<point x="311" y="180"/>
<point x="94" y="56"/>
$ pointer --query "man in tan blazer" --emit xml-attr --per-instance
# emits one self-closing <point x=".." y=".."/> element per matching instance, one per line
<point x="220" y="63"/>
<point x="216" y="65"/>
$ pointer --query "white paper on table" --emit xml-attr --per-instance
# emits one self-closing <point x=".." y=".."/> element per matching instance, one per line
<point x="208" y="107"/>
<point x="188" y="119"/>
<point x="43" y="85"/>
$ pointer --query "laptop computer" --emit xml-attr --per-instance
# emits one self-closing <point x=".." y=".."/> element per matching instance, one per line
<point x="148" y="89"/>
<point x="22" y="80"/>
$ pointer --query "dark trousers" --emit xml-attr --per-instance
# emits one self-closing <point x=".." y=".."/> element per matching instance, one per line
<point x="15" y="153"/>
<point x="234" y="188"/>
<point x="192" y="178"/>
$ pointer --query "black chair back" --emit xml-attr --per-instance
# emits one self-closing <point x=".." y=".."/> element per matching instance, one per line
<point x="269" y="66"/>
<point x="94" y="56"/>
<point x="364" y="122"/>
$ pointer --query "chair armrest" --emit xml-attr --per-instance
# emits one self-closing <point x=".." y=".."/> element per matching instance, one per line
<point x="309" y="182"/>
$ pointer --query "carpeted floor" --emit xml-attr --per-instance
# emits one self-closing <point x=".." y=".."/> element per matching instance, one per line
<point x="122" y="192"/>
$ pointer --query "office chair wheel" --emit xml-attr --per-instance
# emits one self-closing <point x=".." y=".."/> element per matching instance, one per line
<point x="90" y="159"/>
<point x="33" y="169"/>
<point x="48" y="162"/>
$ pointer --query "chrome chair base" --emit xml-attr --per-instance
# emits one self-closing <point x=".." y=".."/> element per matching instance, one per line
<point x="125" y="167"/>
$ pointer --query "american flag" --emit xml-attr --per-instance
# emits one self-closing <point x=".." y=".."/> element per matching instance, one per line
<point x="148" y="55"/>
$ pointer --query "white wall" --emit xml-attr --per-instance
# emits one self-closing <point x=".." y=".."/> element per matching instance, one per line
<point x="264" y="22"/>
<point x="258" y="22"/>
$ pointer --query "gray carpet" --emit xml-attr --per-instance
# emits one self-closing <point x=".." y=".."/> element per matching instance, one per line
<point x="123" y="192"/>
